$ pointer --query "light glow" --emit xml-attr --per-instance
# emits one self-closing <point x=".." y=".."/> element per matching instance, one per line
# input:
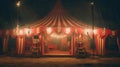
<point x="27" y="31"/>
<point x="49" y="30"/>
<point x="92" y="3"/>
<point x="21" y="32"/>
<point x="67" y="30"/>
<point x="87" y="31"/>
<point x="95" y="31"/>
<point x="18" y="4"/>
<point x="58" y="36"/>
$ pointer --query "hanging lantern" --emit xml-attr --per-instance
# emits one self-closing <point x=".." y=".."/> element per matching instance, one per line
<point x="49" y="30"/>
<point x="67" y="30"/>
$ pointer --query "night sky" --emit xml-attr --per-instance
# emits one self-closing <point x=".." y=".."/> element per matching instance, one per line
<point x="106" y="12"/>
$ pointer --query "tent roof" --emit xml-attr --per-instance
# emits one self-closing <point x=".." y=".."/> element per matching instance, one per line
<point x="58" y="17"/>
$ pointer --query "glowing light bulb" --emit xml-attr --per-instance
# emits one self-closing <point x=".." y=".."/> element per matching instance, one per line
<point x="18" y="3"/>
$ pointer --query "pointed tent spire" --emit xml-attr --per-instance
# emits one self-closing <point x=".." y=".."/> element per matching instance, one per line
<point x="58" y="4"/>
<point x="58" y="9"/>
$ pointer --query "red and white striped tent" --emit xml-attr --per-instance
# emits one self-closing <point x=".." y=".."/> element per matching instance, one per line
<point x="59" y="20"/>
<point x="58" y="17"/>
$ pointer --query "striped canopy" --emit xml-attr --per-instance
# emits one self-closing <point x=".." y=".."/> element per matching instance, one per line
<point x="58" y="17"/>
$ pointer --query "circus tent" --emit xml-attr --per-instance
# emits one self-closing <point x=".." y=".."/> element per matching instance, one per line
<point x="58" y="23"/>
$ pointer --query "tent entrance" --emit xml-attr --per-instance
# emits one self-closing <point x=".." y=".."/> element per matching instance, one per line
<point x="57" y="45"/>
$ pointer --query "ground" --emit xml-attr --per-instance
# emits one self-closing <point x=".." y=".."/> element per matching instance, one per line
<point x="6" y="61"/>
